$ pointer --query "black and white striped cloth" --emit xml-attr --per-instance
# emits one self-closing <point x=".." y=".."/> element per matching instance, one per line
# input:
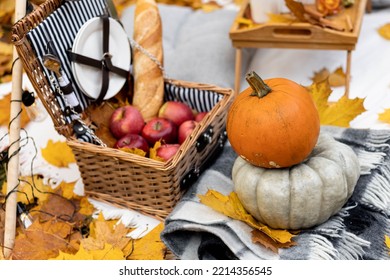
<point x="195" y="231"/>
<point x="199" y="100"/>
<point x="61" y="27"/>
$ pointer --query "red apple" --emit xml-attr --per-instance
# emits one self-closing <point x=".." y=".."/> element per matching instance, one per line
<point x="125" y="120"/>
<point x="160" y="129"/>
<point x="199" y="116"/>
<point x="186" y="129"/>
<point x="176" y="111"/>
<point x="167" y="151"/>
<point x="132" y="141"/>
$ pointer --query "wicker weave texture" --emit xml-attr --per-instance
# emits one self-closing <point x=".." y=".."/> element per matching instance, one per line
<point x="148" y="185"/>
<point x="32" y="65"/>
<point x="147" y="182"/>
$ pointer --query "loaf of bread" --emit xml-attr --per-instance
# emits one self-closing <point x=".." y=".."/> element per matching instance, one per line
<point x="148" y="76"/>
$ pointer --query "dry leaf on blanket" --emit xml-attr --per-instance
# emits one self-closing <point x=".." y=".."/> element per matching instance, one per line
<point x="337" y="78"/>
<point x="106" y="232"/>
<point x="58" y="154"/>
<point x="42" y="241"/>
<point x="384" y="116"/>
<point x="231" y="206"/>
<point x="106" y="241"/>
<point x="58" y="206"/>
<point x="149" y="247"/>
<point x="58" y="222"/>
<point x="6" y="55"/>
<point x="67" y="190"/>
<point x="7" y="8"/>
<point x="387" y="242"/>
<point x="340" y="113"/>
<point x="263" y="239"/>
<point x="108" y="252"/>
<point x="5" y="109"/>
<point x="384" y="31"/>
<point x="30" y="188"/>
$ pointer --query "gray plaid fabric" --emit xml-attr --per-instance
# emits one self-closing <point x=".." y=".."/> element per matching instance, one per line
<point x="195" y="231"/>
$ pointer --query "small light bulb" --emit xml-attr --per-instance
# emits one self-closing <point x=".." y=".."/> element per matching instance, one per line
<point x="34" y="107"/>
<point x="24" y="216"/>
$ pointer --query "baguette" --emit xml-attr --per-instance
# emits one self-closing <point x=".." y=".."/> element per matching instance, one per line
<point x="148" y="76"/>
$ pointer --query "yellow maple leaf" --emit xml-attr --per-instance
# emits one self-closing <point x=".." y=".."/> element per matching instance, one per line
<point x="44" y="240"/>
<point x="6" y="7"/>
<point x="135" y="151"/>
<point x="245" y="22"/>
<point x="5" y="109"/>
<point x="81" y="254"/>
<point x="387" y="242"/>
<point x="384" y="31"/>
<point x="67" y="190"/>
<point x="281" y="18"/>
<point x="340" y="113"/>
<point x="153" y="151"/>
<point x="231" y="206"/>
<point x="30" y="188"/>
<point x="102" y="232"/>
<point x="263" y="239"/>
<point x="5" y="48"/>
<point x="336" y="78"/>
<point x="149" y="247"/>
<point x="384" y="116"/>
<point x="321" y="75"/>
<point x="108" y="252"/>
<point x="86" y="207"/>
<point x="58" y="154"/>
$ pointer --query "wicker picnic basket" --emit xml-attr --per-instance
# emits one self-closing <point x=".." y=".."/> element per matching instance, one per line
<point x="109" y="174"/>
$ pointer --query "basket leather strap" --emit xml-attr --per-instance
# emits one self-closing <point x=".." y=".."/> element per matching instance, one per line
<point x="104" y="64"/>
<point x="106" y="60"/>
<point x="82" y="59"/>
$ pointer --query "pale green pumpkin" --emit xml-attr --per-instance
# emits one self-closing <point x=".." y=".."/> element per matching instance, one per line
<point x="303" y="195"/>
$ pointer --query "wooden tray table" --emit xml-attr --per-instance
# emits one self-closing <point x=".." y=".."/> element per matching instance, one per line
<point x="298" y="35"/>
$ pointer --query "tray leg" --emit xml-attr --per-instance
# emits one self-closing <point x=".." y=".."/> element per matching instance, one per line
<point x="238" y="70"/>
<point x="348" y="73"/>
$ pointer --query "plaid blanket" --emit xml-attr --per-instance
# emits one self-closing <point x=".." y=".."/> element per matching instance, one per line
<point x="195" y="231"/>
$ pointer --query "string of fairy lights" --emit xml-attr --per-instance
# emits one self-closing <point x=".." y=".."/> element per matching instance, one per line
<point x="24" y="210"/>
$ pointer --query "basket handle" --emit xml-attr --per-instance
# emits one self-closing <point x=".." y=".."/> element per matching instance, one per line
<point x="303" y="33"/>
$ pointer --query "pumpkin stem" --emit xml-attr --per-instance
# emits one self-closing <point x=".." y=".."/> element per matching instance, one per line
<point x="260" y="88"/>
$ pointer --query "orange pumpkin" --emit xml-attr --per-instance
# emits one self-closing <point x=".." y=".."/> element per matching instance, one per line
<point x="273" y="123"/>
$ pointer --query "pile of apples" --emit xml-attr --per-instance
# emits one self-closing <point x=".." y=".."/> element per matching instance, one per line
<point x="174" y="123"/>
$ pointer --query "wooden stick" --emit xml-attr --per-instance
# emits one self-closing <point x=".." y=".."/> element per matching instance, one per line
<point x="328" y="23"/>
<point x="238" y="71"/>
<point x="14" y="135"/>
<point x="349" y="23"/>
<point x="348" y="73"/>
